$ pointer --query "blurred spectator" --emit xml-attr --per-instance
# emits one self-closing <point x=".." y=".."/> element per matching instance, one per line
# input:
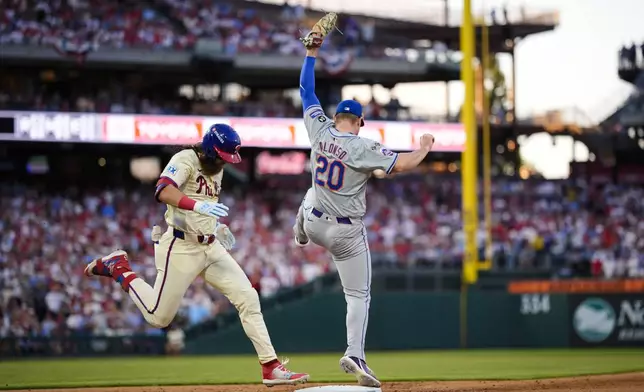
<point x="368" y="31"/>
<point x="628" y="58"/>
<point x="176" y="340"/>
<point x="292" y="13"/>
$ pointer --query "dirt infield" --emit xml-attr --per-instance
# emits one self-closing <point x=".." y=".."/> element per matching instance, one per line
<point x="632" y="382"/>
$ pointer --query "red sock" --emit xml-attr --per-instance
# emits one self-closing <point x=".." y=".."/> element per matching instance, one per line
<point x="271" y="364"/>
<point x="124" y="281"/>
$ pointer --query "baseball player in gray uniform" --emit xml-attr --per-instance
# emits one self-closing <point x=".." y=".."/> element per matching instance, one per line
<point x="332" y="210"/>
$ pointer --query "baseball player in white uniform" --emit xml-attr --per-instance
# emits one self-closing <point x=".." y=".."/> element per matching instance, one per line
<point x="332" y="211"/>
<point x="195" y="244"/>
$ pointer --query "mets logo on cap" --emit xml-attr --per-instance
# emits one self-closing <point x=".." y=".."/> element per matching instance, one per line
<point x="351" y="106"/>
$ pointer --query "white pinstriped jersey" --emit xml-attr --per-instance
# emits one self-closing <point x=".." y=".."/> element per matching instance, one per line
<point x="184" y="170"/>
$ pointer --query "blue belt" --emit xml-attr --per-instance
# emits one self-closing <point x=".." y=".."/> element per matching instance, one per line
<point x="202" y="239"/>
<point x="341" y="220"/>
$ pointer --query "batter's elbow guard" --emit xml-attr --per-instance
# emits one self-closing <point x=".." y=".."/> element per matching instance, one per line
<point x="161" y="184"/>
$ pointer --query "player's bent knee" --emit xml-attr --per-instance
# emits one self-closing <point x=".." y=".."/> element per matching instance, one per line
<point x="247" y="300"/>
<point x="159" y="320"/>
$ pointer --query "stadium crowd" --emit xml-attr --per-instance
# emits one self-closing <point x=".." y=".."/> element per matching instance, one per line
<point x="47" y="239"/>
<point x="28" y="94"/>
<point x="119" y="100"/>
<point x="80" y="26"/>
<point x="83" y="25"/>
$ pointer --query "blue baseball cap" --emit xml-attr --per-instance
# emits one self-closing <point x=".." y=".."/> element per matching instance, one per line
<point x="352" y="107"/>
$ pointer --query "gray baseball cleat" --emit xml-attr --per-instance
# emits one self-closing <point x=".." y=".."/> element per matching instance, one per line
<point x="358" y="367"/>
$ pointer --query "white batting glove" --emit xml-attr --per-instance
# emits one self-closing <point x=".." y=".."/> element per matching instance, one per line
<point x="207" y="208"/>
<point x="225" y="236"/>
<point x="156" y="234"/>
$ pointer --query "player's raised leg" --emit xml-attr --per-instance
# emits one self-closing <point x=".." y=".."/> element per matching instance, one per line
<point x="177" y="263"/>
<point x="227" y="276"/>
<point x="300" y="237"/>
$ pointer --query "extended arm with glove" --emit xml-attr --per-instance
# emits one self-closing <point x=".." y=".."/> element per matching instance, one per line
<point x="313" y="41"/>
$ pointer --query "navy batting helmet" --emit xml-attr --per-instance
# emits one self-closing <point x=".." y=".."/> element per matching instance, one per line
<point x="222" y="141"/>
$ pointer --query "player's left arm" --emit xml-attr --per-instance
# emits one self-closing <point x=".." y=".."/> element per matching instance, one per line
<point x="369" y="156"/>
<point x="175" y="174"/>
<point x="307" y="81"/>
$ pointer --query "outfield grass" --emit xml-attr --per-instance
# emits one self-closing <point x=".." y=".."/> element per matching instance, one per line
<point x="390" y="366"/>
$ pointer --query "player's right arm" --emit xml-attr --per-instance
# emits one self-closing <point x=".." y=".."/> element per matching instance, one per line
<point x="168" y="190"/>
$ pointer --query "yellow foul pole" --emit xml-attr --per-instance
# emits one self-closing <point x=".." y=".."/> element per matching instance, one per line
<point x="469" y="156"/>
<point x="487" y="149"/>
<point x="468" y="167"/>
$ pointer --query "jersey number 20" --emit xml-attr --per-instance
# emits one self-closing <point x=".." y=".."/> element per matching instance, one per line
<point x="329" y="173"/>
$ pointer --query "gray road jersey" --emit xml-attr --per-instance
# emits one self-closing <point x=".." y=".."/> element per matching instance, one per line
<point x="341" y="164"/>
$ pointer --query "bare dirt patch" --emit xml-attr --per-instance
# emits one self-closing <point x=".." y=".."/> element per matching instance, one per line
<point x="631" y="382"/>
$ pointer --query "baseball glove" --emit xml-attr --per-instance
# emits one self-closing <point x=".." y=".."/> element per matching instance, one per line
<point x="320" y="30"/>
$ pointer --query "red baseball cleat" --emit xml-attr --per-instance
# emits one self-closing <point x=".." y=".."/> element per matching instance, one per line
<point x="111" y="266"/>
<point x="274" y="373"/>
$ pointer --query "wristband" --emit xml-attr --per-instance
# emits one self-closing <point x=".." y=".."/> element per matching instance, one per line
<point x="186" y="203"/>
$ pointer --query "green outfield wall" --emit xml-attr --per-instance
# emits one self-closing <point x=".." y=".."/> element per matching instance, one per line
<point x="399" y="321"/>
<point x="403" y="321"/>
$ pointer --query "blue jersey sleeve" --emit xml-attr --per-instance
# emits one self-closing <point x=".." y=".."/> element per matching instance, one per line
<point x="307" y="84"/>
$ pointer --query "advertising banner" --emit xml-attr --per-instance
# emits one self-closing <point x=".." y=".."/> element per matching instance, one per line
<point x="448" y="137"/>
<point x="271" y="133"/>
<point x="261" y="132"/>
<point x="577" y="286"/>
<point x="608" y="320"/>
<point x="54" y="126"/>
<point x="167" y="129"/>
